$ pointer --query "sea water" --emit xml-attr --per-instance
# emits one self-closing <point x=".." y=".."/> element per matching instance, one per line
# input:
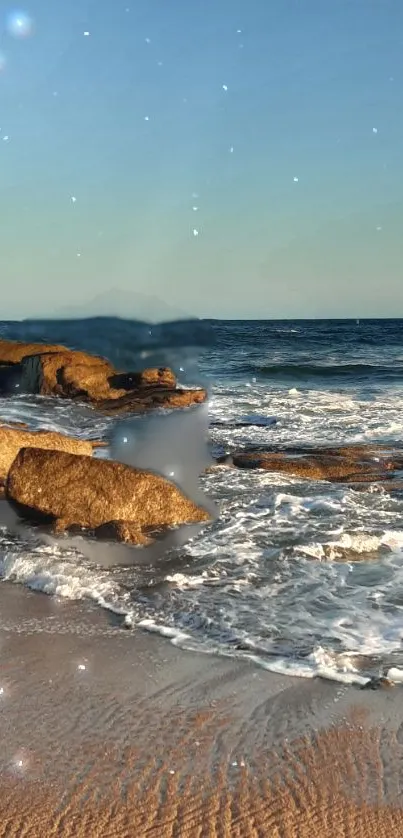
<point x="303" y="577"/>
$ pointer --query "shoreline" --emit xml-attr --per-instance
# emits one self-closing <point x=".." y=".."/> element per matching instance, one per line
<point x="114" y="733"/>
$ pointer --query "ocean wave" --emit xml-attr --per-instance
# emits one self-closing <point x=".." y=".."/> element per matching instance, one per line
<point x="354" y="372"/>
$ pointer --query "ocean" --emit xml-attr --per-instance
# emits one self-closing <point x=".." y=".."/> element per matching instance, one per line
<point x="302" y="577"/>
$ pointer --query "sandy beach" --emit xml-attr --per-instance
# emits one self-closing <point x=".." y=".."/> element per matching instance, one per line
<point x="107" y="732"/>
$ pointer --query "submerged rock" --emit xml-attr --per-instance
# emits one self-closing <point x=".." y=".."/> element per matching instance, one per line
<point x="13" y="439"/>
<point x="71" y="490"/>
<point x="355" y="465"/>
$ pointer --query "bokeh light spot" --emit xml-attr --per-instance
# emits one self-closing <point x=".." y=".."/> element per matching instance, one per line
<point x="19" y="24"/>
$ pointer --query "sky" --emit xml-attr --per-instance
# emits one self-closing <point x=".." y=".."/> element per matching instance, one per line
<point x="224" y="158"/>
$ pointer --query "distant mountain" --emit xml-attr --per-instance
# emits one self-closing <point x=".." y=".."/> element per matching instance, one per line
<point x="128" y="304"/>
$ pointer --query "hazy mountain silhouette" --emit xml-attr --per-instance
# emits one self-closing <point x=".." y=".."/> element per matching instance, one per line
<point x="128" y="304"/>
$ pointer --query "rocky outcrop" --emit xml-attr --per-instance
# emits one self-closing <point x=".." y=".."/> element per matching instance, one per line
<point x="96" y="382"/>
<point x="71" y="491"/>
<point x="57" y="371"/>
<point x="13" y="351"/>
<point x="45" y="373"/>
<point x="153" y="377"/>
<point x="13" y="439"/>
<point x="356" y="465"/>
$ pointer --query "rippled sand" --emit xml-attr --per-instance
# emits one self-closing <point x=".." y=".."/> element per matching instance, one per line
<point x="111" y="733"/>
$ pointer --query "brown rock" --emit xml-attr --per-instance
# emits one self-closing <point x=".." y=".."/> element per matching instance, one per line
<point x="44" y="374"/>
<point x="13" y="351"/>
<point x="353" y="465"/>
<point x="12" y="440"/>
<point x="140" y="401"/>
<point x="123" y="531"/>
<point x="57" y="371"/>
<point x="153" y="377"/>
<point x="98" y="384"/>
<point x="87" y="383"/>
<point x="76" y="491"/>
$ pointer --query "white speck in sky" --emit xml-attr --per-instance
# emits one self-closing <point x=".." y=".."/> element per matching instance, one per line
<point x="296" y="179"/>
<point x="86" y="34"/>
<point x="225" y="87"/>
<point x="239" y="31"/>
<point x="6" y="138"/>
<point x="159" y="63"/>
<point x="146" y="119"/>
<point x="78" y="254"/>
<point x="195" y="232"/>
<point x="231" y="151"/>
<point x="379" y="229"/>
<point x="148" y="40"/>
<point x="195" y="209"/>
<point x="55" y="93"/>
<point x="374" y="130"/>
<point x="73" y="199"/>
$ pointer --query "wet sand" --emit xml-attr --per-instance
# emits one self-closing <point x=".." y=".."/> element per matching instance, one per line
<point x="107" y="732"/>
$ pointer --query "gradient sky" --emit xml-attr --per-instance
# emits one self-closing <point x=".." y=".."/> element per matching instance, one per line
<point x="280" y="121"/>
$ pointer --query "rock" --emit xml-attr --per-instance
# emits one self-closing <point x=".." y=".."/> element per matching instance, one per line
<point x="355" y="465"/>
<point x="45" y="374"/>
<point x="377" y="683"/>
<point x="146" y="399"/>
<point x="123" y="531"/>
<point x="12" y="440"/>
<point x="57" y="371"/>
<point x="97" y="384"/>
<point x="153" y="377"/>
<point x="13" y="351"/>
<point x="77" y="491"/>
<point x="77" y="381"/>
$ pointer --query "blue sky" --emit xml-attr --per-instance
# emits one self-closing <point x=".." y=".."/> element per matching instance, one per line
<point x="231" y="158"/>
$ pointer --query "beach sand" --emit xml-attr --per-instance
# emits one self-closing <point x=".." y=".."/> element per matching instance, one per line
<point x="107" y="732"/>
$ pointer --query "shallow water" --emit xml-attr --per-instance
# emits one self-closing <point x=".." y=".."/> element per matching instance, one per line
<point x="304" y="577"/>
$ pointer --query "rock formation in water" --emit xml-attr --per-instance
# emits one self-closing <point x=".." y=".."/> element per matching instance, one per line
<point x="57" y="371"/>
<point x="71" y="490"/>
<point x="360" y="464"/>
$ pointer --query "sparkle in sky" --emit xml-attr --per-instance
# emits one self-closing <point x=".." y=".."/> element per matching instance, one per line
<point x="231" y="159"/>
